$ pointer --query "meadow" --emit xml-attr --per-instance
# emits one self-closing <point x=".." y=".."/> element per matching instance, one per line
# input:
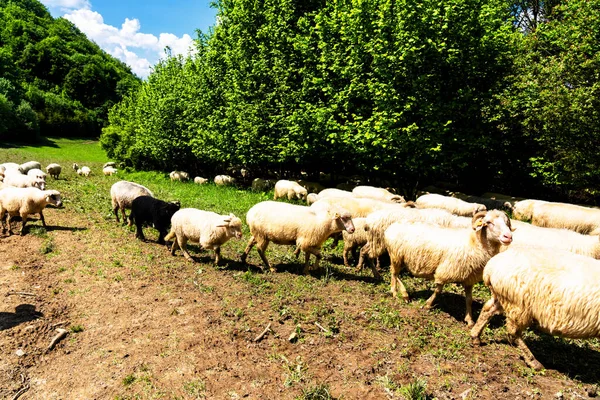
<point x="143" y="324"/>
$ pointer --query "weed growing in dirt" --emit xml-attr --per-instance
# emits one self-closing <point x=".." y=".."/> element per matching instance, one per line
<point x="195" y="388"/>
<point x="76" y="328"/>
<point x="318" y="392"/>
<point x="128" y="380"/>
<point x="415" y="390"/>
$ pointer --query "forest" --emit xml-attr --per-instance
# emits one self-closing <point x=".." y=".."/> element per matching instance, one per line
<point x="54" y="81"/>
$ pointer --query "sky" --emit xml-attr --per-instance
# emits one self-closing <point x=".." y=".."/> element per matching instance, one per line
<point x="137" y="31"/>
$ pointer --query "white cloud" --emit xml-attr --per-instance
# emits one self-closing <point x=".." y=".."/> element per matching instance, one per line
<point x="138" y="50"/>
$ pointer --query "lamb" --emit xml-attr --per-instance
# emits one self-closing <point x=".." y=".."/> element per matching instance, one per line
<point x="311" y="187"/>
<point x="23" y="181"/>
<point x="25" y="201"/>
<point x="284" y="223"/>
<point x="290" y="189"/>
<point x="25" y="167"/>
<point x="108" y="171"/>
<point x="151" y="211"/>
<point x="83" y="171"/>
<point x="312" y="198"/>
<point x="53" y="170"/>
<point x="224" y="180"/>
<point x="358" y="238"/>
<point x="331" y="192"/>
<point x="210" y="230"/>
<point x="523" y="209"/>
<point x="455" y="206"/>
<point x="377" y="193"/>
<point x="557" y="289"/>
<point x="179" y="176"/>
<point x="580" y="219"/>
<point x="200" y="181"/>
<point x="123" y="193"/>
<point x="447" y="255"/>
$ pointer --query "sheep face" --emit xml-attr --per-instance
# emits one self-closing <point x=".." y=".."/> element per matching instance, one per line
<point x="40" y="184"/>
<point x="344" y="221"/>
<point x="495" y="225"/>
<point x="233" y="225"/>
<point x="53" y="197"/>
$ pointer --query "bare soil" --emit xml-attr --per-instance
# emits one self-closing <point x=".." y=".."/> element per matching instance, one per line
<point x="144" y="324"/>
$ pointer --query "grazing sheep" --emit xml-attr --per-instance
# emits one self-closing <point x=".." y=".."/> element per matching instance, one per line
<point x="358" y="207"/>
<point x="377" y="193"/>
<point x="455" y="206"/>
<point x="580" y="219"/>
<point x="447" y="255"/>
<point x="37" y="174"/>
<point x="25" y="167"/>
<point x="123" y="193"/>
<point x="312" y="198"/>
<point x="331" y="192"/>
<point x="523" y="209"/>
<point x="25" y="201"/>
<point x="262" y="185"/>
<point x="210" y="230"/>
<point x="19" y="180"/>
<point x="224" y="180"/>
<point x="110" y="164"/>
<point x="490" y="204"/>
<point x="558" y="290"/>
<point x="290" y="189"/>
<point x="311" y="187"/>
<point x="284" y="223"/>
<point x="200" y="181"/>
<point x="358" y="238"/>
<point x="559" y="239"/>
<point x="108" y="171"/>
<point x="179" y="176"/>
<point x="151" y="211"/>
<point x="53" y="170"/>
<point x="83" y="171"/>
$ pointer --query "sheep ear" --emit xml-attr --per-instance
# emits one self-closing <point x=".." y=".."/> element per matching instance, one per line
<point x="479" y="225"/>
<point x="336" y="215"/>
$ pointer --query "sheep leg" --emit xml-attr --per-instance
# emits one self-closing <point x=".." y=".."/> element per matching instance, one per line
<point x="183" y="247"/>
<point x="116" y="211"/>
<point x="297" y="251"/>
<point x="514" y="335"/>
<point x="24" y="217"/>
<point x="347" y="249"/>
<point x="261" y="247"/>
<point x="139" y="231"/>
<point x="251" y="244"/>
<point x="469" y="304"/>
<point x="490" y="308"/>
<point x="395" y="269"/>
<point x="317" y="254"/>
<point x="376" y="273"/>
<point x="364" y="252"/>
<point x="2" y="215"/>
<point x="217" y="256"/>
<point x="124" y="215"/>
<point x="174" y="246"/>
<point x="438" y="289"/>
<point x="42" y="219"/>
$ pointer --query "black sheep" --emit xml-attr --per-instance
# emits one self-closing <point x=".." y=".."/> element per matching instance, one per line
<point x="154" y="212"/>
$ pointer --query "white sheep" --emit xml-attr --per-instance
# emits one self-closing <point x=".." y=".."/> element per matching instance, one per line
<point x="557" y="289"/>
<point x="224" y="180"/>
<point x="122" y="193"/>
<point x="446" y="255"/>
<point x="108" y="171"/>
<point x="210" y="230"/>
<point x="25" y="167"/>
<point x="580" y="219"/>
<point x="19" y="180"/>
<point x="180" y="176"/>
<point x="358" y="207"/>
<point x="332" y="192"/>
<point x="10" y="165"/>
<point x="53" y="170"/>
<point x="377" y="193"/>
<point x="83" y="171"/>
<point x="25" y="201"/>
<point x="200" y="181"/>
<point x="284" y="223"/>
<point x="455" y="206"/>
<point x="312" y="198"/>
<point x="37" y="174"/>
<point x="523" y="209"/>
<point x="290" y="190"/>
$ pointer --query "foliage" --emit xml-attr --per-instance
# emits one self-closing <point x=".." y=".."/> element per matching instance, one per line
<point x="55" y="80"/>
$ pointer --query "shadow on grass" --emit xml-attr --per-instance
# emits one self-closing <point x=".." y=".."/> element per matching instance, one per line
<point x="450" y="303"/>
<point x="41" y="142"/>
<point x="23" y="313"/>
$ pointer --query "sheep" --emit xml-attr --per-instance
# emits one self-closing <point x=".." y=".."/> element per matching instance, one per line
<point x="151" y="211"/>
<point x="123" y="193"/>
<point x="455" y="206"/>
<point x="312" y="198"/>
<point x="331" y="192"/>
<point x="284" y="223"/>
<point x="37" y="174"/>
<point x="557" y="289"/>
<point x="224" y="180"/>
<point x="523" y="209"/>
<point x="262" y="185"/>
<point x="490" y="204"/>
<point x="311" y="187"/>
<point x="25" y="201"/>
<point x="108" y="171"/>
<point x="580" y="219"/>
<point x="560" y="239"/>
<point x="179" y="176"/>
<point x="83" y="171"/>
<point x="53" y="170"/>
<point x="358" y="207"/>
<point x="200" y="181"/>
<point x="357" y="238"/>
<point x="23" y="181"/>
<point x="376" y="193"/>
<point x="446" y="255"/>
<point x="10" y="165"/>
<point x="25" y="167"/>
<point x="110" y="164"/>
<point x="290" y="189"/>
<point x="210" y="230"/>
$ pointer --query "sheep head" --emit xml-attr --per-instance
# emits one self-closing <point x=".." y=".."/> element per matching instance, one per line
<point x="496" y="224"/>
<point x="53" y="197"/>
<point x="233" y="225"/>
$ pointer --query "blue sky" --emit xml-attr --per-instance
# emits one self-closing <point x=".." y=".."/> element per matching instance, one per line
<point x="137" y="31"/>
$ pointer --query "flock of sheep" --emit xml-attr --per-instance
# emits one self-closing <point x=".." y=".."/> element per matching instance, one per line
<point x="545" y="271"/>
